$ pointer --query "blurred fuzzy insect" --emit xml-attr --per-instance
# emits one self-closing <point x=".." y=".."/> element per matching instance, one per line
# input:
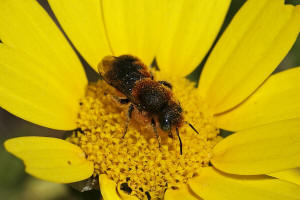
<point x="131" y="77"/>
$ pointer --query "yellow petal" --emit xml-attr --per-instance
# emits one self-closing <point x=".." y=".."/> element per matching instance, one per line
<point x="265" y="149"/>
<point x="277" y="99"/>
<point x="291" y="175"/>
<point x="38" y="65"/>
<point x="51" y="159"/>
<point x="255" y="42"/>
<point x="82" y="21"/>
<point x="213" y="185"/>
<point x="108" y="188"/>
<point x="26" y="26"/>
<point x="180" y="192"/>
<point x="134" y="26"/>
<point x="124" y="195"/>
<point x="189" y="31"/>
<point x="30" y="92"/>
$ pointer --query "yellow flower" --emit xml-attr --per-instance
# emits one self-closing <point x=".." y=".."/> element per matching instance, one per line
<point x="42" y="81"/>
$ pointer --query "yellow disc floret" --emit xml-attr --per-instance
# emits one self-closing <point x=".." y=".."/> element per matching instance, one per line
<point x="136" y="163"/>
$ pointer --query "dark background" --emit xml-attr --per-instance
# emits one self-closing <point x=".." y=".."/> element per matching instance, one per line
<point x="16" y="184"/>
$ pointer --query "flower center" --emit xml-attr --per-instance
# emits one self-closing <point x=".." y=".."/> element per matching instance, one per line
<point x="136" y="162"/>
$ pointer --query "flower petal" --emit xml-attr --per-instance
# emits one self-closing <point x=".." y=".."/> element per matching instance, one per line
<point x="26" y="26"/>
<point x="51" y="159"/>
<point x="38" y="65"/>
<point x="214" y="185"/>
<point x="258" y="38"/>
<point x="189" y="31"/>
<point x="28" y="90"/>
<point x="134" y="26"/>
<point x="290" y="175"/>
<point x="108" y="188"/>
<point x="181" y="192"/>
<point x="265" y="149"/>
<point x="277" y="99"/>
<point x="82" y="21"/>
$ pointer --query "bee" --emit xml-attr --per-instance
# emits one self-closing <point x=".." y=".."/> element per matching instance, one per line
<point x="130" y="76"/>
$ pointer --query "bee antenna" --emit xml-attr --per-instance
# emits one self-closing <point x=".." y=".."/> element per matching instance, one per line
<point x="180" y="142"/>
<point x="192" y="127"/>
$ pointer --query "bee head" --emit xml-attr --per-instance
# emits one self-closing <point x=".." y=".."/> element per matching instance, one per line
<point x="169" y="116"/>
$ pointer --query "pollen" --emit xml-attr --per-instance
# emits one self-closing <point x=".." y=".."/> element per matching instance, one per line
<point x="136" y="161"/>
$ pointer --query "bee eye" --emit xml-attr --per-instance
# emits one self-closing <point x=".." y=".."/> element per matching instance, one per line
<point x="165" y="124"/>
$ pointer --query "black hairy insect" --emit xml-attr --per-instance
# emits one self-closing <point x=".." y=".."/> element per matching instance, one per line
<point x="131" y="77"/>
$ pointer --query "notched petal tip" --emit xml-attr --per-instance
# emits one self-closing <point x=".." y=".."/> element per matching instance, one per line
<point x="51" y="159"/>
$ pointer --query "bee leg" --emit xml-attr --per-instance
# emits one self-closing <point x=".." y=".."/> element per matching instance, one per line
<point x="130" y="109"/>
<point x="155" y="131"/>
<point x="121" y="101"/>
<point x="180" y="142"/>
<point x="167" y="84"/>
